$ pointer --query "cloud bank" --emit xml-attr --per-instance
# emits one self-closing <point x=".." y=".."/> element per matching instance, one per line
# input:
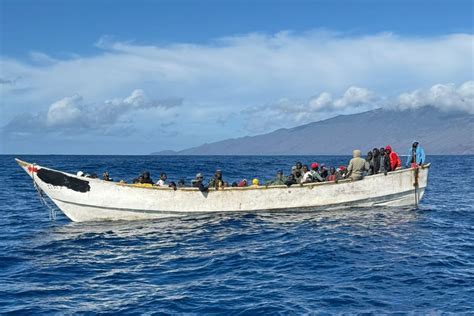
<point x="246" y="84"/>
<point x="73" y="115"/>
<point x="292" y="112"/>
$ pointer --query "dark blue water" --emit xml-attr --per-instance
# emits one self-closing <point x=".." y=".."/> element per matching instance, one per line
<point x="376" y="260"/>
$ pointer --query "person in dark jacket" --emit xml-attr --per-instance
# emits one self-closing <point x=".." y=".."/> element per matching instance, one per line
<point x="384" y="162"/>
<point x="369" y="158"/>
<point x="291" y="180"/>
<point x="376" y="160"/>
<point x="323" y="172"/>
<point x="147" y="178"/>
<point x="106" y="176"/>
<point x="198" y="183"/>
<point x="296" y="172"/>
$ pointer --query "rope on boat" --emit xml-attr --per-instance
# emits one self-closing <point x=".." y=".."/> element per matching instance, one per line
<point x="415" y="184"/>
<point x="41" y="195"/>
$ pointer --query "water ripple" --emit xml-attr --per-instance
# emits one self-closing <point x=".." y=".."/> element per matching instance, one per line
<point x="376" y="261"/>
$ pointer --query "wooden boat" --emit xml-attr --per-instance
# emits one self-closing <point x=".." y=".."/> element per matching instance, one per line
<point x="85" y="199"/>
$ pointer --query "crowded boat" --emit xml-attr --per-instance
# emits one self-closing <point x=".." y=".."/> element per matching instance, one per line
<point x="377" y="161"/>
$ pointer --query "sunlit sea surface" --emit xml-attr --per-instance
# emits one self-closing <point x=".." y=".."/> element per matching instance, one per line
<point x="373" y="260"/>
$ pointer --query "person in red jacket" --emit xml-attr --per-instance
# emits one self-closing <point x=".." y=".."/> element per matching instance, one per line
<point x="394" y="159"/>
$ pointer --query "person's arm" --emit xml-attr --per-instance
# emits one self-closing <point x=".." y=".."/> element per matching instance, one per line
<point x="422" y="156"/>
<point x="349" y="169"/>
<point x="203" y="188"/>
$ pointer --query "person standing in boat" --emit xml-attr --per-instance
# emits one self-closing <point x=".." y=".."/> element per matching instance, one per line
<point x="217" y="182"/>
<point x="370" y="159"/>
<point x="393" y="157"/>
<point x="357" y="166"/>
<point x="376" y="160"/>
<point x="416" y="155"/>
<point x="384" y="162"/>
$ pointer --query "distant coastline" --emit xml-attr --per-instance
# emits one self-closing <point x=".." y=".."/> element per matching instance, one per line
<point x="440" y="133"/>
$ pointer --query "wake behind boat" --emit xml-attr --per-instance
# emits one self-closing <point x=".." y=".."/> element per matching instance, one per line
<point x="84" y="199"/>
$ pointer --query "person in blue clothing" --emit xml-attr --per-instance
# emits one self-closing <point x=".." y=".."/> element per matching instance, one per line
<point x="416" y="155"/>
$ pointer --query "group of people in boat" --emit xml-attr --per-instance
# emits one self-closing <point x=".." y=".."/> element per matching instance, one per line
<point x="377" y="161"/>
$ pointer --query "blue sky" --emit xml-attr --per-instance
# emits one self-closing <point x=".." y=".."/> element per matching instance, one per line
<point x="139" y="76"/>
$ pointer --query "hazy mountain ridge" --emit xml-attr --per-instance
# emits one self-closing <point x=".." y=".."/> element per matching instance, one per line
<point x="439" y="133"/>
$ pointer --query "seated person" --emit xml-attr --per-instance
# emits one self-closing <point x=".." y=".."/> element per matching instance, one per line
<point x="278" y="180"/>
<point x="307" y="176"/>
<point x="198" y="183"/>
<point x="162" y="181"/>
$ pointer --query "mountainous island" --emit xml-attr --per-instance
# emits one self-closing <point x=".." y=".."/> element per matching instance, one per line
<point x="437" y="131"/>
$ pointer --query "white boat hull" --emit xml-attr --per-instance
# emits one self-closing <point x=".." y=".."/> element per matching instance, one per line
<point x="84" y="199"/>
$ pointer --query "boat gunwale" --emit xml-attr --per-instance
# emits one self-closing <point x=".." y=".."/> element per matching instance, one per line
<point x="193" y="189"/>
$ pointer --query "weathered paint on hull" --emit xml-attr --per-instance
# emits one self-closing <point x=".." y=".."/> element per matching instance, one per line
<point x="113" y="201"/>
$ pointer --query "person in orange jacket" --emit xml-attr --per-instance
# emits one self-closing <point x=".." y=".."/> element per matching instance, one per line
<point x="395" y="161"/>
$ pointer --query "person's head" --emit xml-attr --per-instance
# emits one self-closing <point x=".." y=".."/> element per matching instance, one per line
<point x="293" y="169"/>
<point x="369" y="155"/>
<point x="279" y="174"/>
<point x="314" y="166"/>
<point x="305" y="168"/>
<point x="342" y="168"/>
<point x="163" y="176"/>
<point x="323" y="166"/>
<point x="356" y="153"/>
<point x="415" y="144"/>
<point x="382" y="151"/>
<point x="376" y="152"/>
<point x="199" y="177"/>
<point x="181" y="183"/>
<point x="235" y="184"/>
<point x="298" y="165"/>
<point x="255" y="181"/>
<point x="218" y="174"/>
<point x="388" y="149"/>
<point x="146" y="175"/>
<point x="332" y="170"/>
<point x="291" y="176"/>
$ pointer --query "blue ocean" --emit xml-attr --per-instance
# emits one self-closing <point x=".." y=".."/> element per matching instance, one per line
<point x="375" y="260"/>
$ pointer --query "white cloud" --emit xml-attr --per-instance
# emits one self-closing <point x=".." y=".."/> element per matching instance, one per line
<point x="64" y="111"/>
<point x="222" y="79"/>
<point x="292" y="112"/>
<point x="71" y="114"/>
<point x="443" y="96"/>
<point x="252" y="68"/>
